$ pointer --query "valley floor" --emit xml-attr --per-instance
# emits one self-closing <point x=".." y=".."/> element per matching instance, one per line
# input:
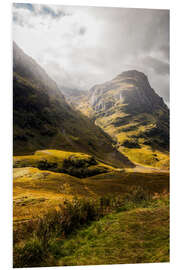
<point x="121" y="216"/>
<point x="35" y="191"/>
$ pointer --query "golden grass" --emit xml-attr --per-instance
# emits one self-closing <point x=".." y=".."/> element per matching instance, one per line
<point x="50" y="155"/>
<point x="147" y="157"/>
<point x="36" y="191"/>
<point x="144" y="155"/>
<point x="73" y="163"/>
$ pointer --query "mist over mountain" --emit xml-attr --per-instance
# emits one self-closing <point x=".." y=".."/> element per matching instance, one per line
<point x="27" y="68"/>
<point x="90" y="135"/>
<point x="43" y="119"/>
<point x="83" y="46"/>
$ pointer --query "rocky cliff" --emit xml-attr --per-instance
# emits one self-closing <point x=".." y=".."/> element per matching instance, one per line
<point x="133" y="114"/>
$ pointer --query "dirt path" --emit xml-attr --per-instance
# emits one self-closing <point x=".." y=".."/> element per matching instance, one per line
<point x="141" y="168"/>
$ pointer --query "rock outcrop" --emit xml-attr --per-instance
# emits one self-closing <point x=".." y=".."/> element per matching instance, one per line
<point x="133" y="114"/>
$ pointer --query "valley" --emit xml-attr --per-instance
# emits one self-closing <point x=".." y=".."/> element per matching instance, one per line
<point x="36" y="189"/>
<point x="124" y="214"/>
<point x="90" y="170"/>
<point x="131" y="112"/>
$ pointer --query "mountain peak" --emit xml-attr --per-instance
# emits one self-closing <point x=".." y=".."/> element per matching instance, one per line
<point x="128" y="109"/>
<point x="130" y="88"/>
<point x="135" y="75"/>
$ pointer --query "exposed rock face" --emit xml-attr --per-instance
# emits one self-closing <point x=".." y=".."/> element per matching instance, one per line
<point x="130" y="111"/>
<point x="43" y="119"/>
<point x="131" y="88"/>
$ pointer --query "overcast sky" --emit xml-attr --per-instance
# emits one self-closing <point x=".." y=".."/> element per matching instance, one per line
<point x="83" y="46"/>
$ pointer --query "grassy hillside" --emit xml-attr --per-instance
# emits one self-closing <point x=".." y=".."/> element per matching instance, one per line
<point x="81" y="195"/>
<point x="136" y="118"/>
<point x="42" y="119"/>
<point x="51" y="200"/>
<point x="141" y="137"/>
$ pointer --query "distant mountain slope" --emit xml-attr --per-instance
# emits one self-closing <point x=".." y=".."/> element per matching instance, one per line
<point x="129" y="110"/>
<point x="72" y="95"/>
<point x="42" y="119"/>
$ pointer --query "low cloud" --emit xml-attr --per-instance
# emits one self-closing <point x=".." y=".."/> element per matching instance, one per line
<point x="32" y="15"/>
<point x="160" y="67"/>
<point x="82" y="30"/>
<point x="83" y="46"/>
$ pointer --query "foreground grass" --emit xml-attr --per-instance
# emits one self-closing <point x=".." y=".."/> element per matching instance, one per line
<point x="132" y="230"/>
<point x="136" y="236"/>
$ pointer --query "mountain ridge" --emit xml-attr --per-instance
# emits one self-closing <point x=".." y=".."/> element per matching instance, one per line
<point x="43" y="119"/>
<point x="133" y="114"/>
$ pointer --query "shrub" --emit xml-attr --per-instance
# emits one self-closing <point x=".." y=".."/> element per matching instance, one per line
<point x="138" y="196"/>
<point x="32" y="254"/>
<point x="130" y="144"/>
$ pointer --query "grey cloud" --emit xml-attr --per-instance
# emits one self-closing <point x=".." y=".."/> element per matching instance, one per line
<point x="157" y="65"/>
<point x="127" y="39"/>
<point x="82" y="31"/>
<point x="30" y="7"/>
<point x="18" y="19"/>
<point x="46" y="10"/>
<point x="160" y="84"/>
<point x="42" y="10"/>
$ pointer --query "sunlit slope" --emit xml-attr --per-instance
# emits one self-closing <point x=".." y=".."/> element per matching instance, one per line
<point x="42" y="119"/>
<point x="132" y="113"/>
<point x="73" y="163"/>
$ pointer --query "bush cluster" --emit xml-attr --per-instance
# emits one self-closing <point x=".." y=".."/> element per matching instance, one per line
<point x="37" y="235"/>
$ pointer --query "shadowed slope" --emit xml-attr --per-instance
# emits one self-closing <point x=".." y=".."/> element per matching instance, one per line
<point x="43" y="119"/>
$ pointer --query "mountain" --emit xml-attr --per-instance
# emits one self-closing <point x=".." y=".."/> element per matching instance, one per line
<point x="42" y="119"/>
<point x="72" y="95"/>
<point x="133" y="114"/>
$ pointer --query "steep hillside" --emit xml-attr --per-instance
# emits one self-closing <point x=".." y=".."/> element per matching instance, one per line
<point x="42" y="119"/>
<point x="131" y="112"/>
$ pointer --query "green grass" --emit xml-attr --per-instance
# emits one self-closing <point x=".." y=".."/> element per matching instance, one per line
<point x="147" y="157"/>
<point x="136" y="236"/>
<point x="133" y="230"/>
<point x="43" y="224"/>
